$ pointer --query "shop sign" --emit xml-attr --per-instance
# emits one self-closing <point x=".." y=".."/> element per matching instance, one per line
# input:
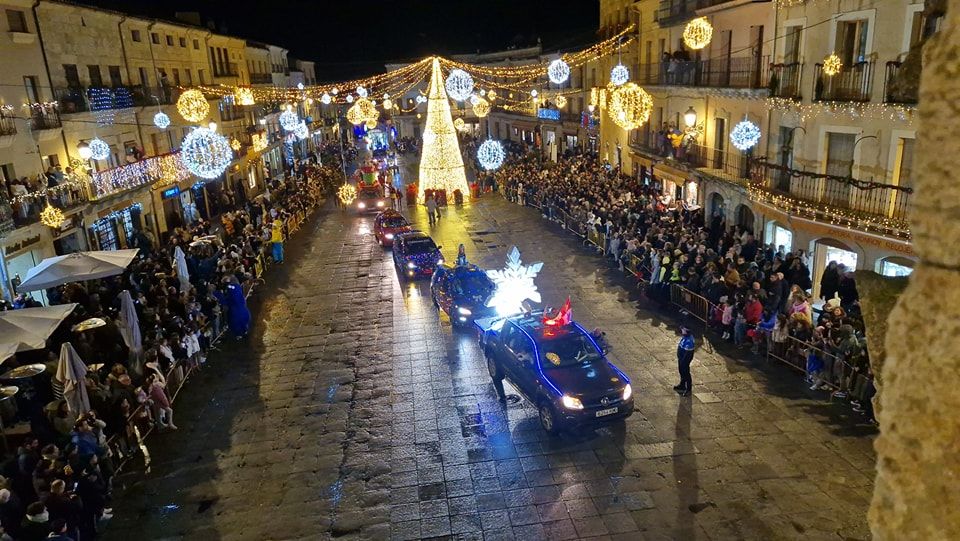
<point x="11" y="249"/>
<point x="71" y="221"/>
<point x="170" y="192"/>
<point x="548" y="114"/>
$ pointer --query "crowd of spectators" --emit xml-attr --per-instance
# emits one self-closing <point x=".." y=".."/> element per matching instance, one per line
<point x="757" y="294"/>
<point x="59" y="481"/>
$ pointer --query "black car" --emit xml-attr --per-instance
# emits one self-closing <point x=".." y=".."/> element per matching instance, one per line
<point x="560" y="370"/>
<point x="462" y="292"/>
<point x="415" y="255"/>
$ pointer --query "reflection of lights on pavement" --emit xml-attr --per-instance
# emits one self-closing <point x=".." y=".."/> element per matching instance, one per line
<point x="413" y="290"/>
<point x="364" y="229"/>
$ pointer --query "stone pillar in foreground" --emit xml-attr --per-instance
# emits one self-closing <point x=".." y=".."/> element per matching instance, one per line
<point x="917" y="494"/>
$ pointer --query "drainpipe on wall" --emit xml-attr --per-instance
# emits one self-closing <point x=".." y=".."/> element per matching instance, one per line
<point x="126" y="67"/>
<point x="46" y="67"/>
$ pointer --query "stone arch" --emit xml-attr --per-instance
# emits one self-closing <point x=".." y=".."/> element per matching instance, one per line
<point x="745" y="218"/>
<point x="716" y="204"/>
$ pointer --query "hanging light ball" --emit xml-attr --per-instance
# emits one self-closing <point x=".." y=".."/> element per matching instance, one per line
<point x="212" y="125"/>
<point x="619" y="75"/>
<point x="492" y="95"/>
<point x="832" y="65"/>
<point x="558" y="71"/>
<point x="482" y="92"/>
<point x="161" y="120"/>
<point x="354" y="116"/>
<point x="491" y="154"/>
<point x="289" y="120"/>
<point x="235" y="144"/>
<point x="362" y="92"/>
<point x="334" y="91"/>
<point x="745" y="135"/>
<point x="368" y="109"/>
<point x="629" y="106"/>
<point x="459" y="85"/>
<point x="459" y="124"/>
<point x="387" y="104"/>
<point x="698" y="33"/>
<point x="325" y="99"/>
<point x="301" y="131"/>
<point x="370" y="124"/>
<point x="421" y="98"/>
<point x="347" y="194"/>
<point x="349" y="98"/>
<point x="534" y="93"/>
<point x="206" y="153"/>
<point x="243" y="96"/>
<point x="99" y="150"/>
<point x="386" y="95"/>
<point x="193" y="106"/>
<point x="51" y="216"/>
<point x="481" y="108"/>
<point x="560" y="101"/>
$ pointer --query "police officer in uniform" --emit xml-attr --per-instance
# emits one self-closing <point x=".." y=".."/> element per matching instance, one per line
<point x="684" y="358"/>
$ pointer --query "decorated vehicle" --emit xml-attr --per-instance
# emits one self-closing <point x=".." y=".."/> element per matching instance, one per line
<point x="462" y="292"/>
<point x="388" y="224"/>
<point x="370" y="199"/>
<point x="558" y="367"/>
<point x="415" y="255"/>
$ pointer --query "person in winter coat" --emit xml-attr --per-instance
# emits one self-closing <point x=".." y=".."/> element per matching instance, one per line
<point x="830" y="281"/>
<point x="36" y="524"/>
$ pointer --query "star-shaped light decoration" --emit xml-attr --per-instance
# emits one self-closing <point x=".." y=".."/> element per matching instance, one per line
<point x="514" y="285"/>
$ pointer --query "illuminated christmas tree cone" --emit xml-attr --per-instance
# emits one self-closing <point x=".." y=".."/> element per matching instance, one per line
<point x="441" y="166"/>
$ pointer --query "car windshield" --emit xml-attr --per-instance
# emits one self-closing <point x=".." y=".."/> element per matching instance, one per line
<point x="420" y="246"/>
<point x="396" y="221"/>
<point x="472" y="284"/>
<point x="570" y="349"/>
<point x="369" y="194"/>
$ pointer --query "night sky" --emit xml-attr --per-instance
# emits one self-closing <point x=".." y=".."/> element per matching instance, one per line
<point x="352" y="38"/>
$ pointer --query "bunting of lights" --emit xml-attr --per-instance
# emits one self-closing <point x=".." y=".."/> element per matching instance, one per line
<point x="157" y="170"/>
<point x="441" y="165"/>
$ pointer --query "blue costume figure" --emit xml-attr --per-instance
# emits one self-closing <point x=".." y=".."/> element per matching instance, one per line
<point x="461" y="256"/>
<point x="238" y="316"/>
<point x="684" y="358"/>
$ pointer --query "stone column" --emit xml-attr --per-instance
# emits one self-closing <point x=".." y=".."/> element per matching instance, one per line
<point x="917" y="494"/>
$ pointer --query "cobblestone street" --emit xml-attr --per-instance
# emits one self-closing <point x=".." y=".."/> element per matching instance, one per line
<point x="355" y="411"/>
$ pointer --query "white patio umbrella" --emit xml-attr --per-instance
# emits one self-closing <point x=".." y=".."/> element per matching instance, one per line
<point x="180" y="260"/>
<point x="7" y="350"/>
<point x="130" y="324"/>
<point x="71" y="373"/>
<point x="76" y="267"/>
<point x="29" y="328"/>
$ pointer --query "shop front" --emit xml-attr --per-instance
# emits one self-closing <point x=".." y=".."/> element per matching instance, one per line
<point x="22" y="250"/>
<point x="69" y="237"/>
<point x="677" y="185"/>
<point x="115" y="228"/>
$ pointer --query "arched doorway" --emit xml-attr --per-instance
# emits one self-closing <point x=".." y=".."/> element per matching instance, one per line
<point x="895" y="266"/>
<point x="826" y="250"/>
<point x="777" y="234"/>
<point x="717" y="204"/>
<point x="745" y="218"/>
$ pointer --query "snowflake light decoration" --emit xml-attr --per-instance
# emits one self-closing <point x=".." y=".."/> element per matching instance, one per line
<point x="459" y="85"/>
<point x="325" y="99"/>
<point x="514" y="285"/>
<point x="161" y="120"/>
<point x="51" y="216"/>
<point x="745" y="135"/>
<point x="558" y="71"/>
<point x="289" y="120"/>
<point x="619" y="75"/>
<point x="832" y="65"/>
<point x="349" y="98"/>
<point x="491" y="154"/>
<point x="347" y="193"/>
<point x="362" y="92"/>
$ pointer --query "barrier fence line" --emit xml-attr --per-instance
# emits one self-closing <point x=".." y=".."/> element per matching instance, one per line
<point x="837" y="374"/>
<point x="140" y="423"/>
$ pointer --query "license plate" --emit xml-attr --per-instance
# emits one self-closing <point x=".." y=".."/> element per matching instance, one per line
<point x="608" y="411"/>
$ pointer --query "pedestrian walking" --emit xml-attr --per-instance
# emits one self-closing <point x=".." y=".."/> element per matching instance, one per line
<point x="431" y="210"/>
<point x="684" y="358"/>
<point x="276" y="237"/>
<point x="398" y="200"/>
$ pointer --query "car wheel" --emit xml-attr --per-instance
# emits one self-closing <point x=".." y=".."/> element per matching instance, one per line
<point x="548" y="419"/>
<point x="493" y="369"/>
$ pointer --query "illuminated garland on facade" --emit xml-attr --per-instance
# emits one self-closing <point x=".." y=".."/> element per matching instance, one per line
<point x="163" y="169"/>
<point x="849" y="111"/>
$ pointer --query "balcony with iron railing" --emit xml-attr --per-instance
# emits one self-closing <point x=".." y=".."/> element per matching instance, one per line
<point x="725" y="72"/>
<point x="81" y="100"/>
<point x="852" y="83"/>
<point x="8" y="124"/>
<point x="785" y="80"/>
<point x="225" y="69"/>
<point x="261" y="78"/>
<point x="674" y="11"/>
<point x="899" y="85"/>
<point x="44" y="118"/>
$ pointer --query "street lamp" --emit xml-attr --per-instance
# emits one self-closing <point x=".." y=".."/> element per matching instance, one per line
<point x="690" y="117"/>
<point x="83" y="149"/>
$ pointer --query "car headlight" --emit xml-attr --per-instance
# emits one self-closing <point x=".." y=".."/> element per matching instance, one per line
<point x="361" y="205"/>
<point x="571" y="402"/>
<point x="379" y="203"/>
<point x="627" y="392"/>
<point x="464" y="311"/>
<point x="411" y="266"/>
<point x="389" y="236"/>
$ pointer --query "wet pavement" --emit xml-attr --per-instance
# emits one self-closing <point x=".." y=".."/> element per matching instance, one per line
<point x="356" y="411"/>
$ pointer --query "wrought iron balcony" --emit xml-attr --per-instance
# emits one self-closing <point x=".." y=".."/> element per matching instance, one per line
<point x="730" y="72"/>
<point x="785" y="80"/>
<point x="851" y="83"/>
<point x="8" y="124"/>
<point x="899" y="86"/>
